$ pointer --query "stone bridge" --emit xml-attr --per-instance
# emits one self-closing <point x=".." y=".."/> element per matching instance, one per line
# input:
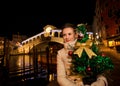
<point x="39" y="41"/>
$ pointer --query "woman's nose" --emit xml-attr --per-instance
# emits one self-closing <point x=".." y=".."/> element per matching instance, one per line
<point x="67" y="36"/>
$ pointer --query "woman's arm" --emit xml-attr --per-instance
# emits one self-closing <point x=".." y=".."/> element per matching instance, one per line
<point x="61" y="73"/>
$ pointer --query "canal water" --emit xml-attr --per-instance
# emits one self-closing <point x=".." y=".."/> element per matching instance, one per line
<point x="23" y="68"/>
<point x="39" y="66"/>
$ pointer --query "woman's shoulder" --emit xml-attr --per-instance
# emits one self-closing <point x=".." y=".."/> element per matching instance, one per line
<point x="61" y="50"/>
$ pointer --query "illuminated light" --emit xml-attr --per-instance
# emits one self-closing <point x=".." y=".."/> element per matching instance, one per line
<point x="90" y="35"/>
<point x="31" y="38"/>
<point x="111" y="43"/>
<point x="51" y="77"/>
<point x="97" y="37"/>
<point x="48" y="29"/>
<point x="89" y="32"/>
<point x="19" y="63"/>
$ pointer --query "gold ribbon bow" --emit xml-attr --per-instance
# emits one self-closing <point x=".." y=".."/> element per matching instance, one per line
<point x="86" y="47"/>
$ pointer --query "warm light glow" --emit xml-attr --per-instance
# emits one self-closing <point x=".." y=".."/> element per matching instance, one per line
<point x="51" y="77"/>
<point x="117" y="42"/>
<point x="90" y="35"/>
<point x="35" y="36"/>
<point x="48" y="29"/>
<point x="111" y="43"/>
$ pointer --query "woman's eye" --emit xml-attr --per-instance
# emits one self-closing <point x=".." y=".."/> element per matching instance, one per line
<point x="69" y="34"/>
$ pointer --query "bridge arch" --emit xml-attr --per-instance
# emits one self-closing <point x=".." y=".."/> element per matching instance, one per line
<point x="54" y="35"/>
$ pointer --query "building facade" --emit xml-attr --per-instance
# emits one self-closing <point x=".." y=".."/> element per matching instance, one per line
<point x="107" y="21"/>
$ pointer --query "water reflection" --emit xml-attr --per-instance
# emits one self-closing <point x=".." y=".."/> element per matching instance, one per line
<point x="20" y="62"/>
<point x="31" y="64"/>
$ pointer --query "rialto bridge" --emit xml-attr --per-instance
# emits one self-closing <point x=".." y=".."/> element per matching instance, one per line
<point x="39" y="41"/>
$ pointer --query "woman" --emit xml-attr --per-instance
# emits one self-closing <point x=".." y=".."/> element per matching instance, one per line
<point x="64" y="77"/>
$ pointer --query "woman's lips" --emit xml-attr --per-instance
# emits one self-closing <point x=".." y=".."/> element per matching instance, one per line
<point x="67" y="40"/>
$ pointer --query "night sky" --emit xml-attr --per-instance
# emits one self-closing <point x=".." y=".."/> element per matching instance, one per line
<point x="27" y="24"/>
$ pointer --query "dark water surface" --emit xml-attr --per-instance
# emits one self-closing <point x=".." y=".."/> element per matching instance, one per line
<point x="27" y="70"/>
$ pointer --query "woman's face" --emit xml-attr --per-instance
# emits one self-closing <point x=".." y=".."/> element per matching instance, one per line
<point x="68" y="34"/>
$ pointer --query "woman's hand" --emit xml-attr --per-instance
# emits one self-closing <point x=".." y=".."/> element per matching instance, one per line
<point x="101" y="81"/>
<point x="76" y="79"/>
<point x="79" y="83"/>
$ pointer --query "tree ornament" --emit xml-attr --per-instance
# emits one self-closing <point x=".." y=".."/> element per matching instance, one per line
<point x="82" y="33"/>
<point x="80" y="37"/>
<point x="70" y="53"/>
<point x="88" y="68"/>
<point x="89" y="71"/>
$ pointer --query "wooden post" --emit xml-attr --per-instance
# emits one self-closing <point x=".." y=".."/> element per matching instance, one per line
<point x="47" y="57"/>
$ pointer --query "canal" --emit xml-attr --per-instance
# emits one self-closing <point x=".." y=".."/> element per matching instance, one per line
<point x="38" y="66"/>
<point x="24" y="68"/>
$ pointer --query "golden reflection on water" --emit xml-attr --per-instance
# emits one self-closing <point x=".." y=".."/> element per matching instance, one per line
<point x="20" y="62"/>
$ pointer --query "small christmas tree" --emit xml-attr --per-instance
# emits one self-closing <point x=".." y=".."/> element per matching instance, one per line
<point x="86" y="59"/>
